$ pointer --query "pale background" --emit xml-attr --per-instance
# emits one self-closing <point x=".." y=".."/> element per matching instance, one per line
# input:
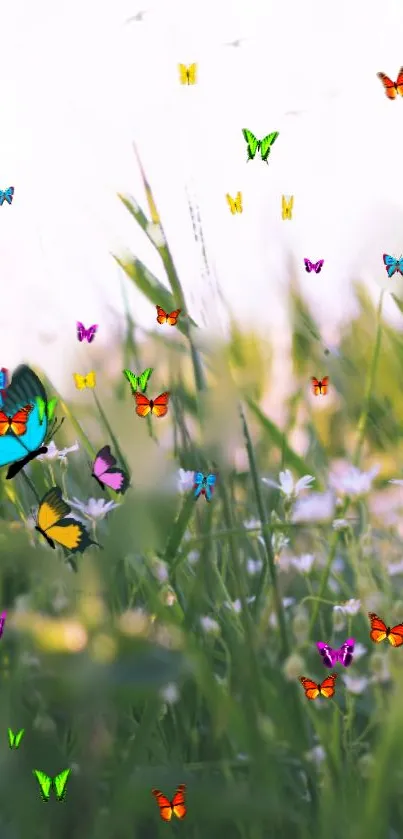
<point x="78" y="85"/>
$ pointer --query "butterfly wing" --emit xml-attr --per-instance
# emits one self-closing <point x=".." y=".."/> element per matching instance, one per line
<point x="266" y="144"/>
<point x="231" y="203"/>
<point x="395" y="636"/>
<point x="312" y="690"/>
<point x="178" y="802"/>
<point x="238" y="202"/>
<point x="192" y="73"/>
<point x="90" y="379"/>
<point x="391" y="264"/>
<point x="173" y="317"/>
<point x="9" y="193"/>
<point x="308" y="265"/>
<point x="131" y="378"/>
<point x="24" y="390"/>
<point x="161" y="315"/>
<point x="316" y="386"/>
<point x="318" y="266"/>
<point x="142" y="404"/>
<point x="378" y="628"/>
<point x="60" y="782"/>
<point x="399" y="82"/>
<point x="91" y="332"/>
<point x="18" y="737"/>
<point x="286" y="207"/>
<point x="2" y="622"/>
<point x="45" y="783"/>
<point x="160" y="406"/>
<point x="52" y="523"/>
<point x="345" y="653"/>
<point x="389" y="86"/>
<point x="329" y="655"/>
<point x="105" y="473"/>
<point x="252" y="141"/>
<point x="325" y="385"/>
<point x="210" y="483"/>
<point x="79" y="381"/>
<point x="144" y="377"/>
<point x="164" y="804"/>
<point x="327" y="688"/>
<point x="80" y="330"/>
<point x="183" y="73"/>
<point x="198" y="480"/>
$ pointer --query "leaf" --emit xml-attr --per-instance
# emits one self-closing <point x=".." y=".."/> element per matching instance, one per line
<point x="291" y="459"/>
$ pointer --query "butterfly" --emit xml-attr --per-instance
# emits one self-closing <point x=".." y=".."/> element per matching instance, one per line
<point x="287" y="206"/>
<point x="157" y="406"/>
<point x="167" y="808"/>
<point x="2" y="622"/>
<point x="88" y="334"/>
<point x="171" y="318"/>
<point x="17" y="424"/>
<point x="15" y="739"/>
<point x="103" y="470"/>
<point x="52" y="523"/>
<point x="235" y="204"/>
<point x="331" y="657"/>
<point x="325" y="688"/>
<point x="254" y="145"/>
<point x="187" y="74"/>
<point x="313" y="266"/>
<point x="138" y="382"/>
<point x="46" y="782"/>
<point x="39" y="423"/>
<point x="320" y="386"/>
<point x="379" y="631"/>
<point x="204" y="485"/>
<point x="85" y="381"/>
<point x="392" y="264"/>
<point x="7" y="195"/>
<point x="392" y="88"/>
<point x="3" y="384"/>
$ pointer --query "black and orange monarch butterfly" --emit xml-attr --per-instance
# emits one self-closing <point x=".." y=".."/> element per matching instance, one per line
<point x="320" y="386"/>
<point x="157" y="406"/>
<point x="167" y="317"/>
<point x="392" y="88"/>
<point x="325" y="688"/>
<point x="379" y="631"/>
<point x="168" y="808"/>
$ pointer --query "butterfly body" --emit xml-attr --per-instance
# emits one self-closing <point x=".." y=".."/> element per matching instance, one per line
<point x="287" y="204"/>
<point x="55" y="524"/>
<point x="6" y="195"/>
<point x="255" y="145"/>
<point x="392" y="264"/>
<point x="313" y="266"/>
<point x="138" y="382"/>
<point x="392" y="89"/>
<point x="344" y="655"/>
<point x="169" y="808"/>
<point x="325" y="688"/>
<point x="235" y="204"/>
<point x="187" y="73"/>
<point x="85" y="381"/>
<point x="106" y="473"/>
<point x="379" y="631"/>
<point x="86" y="334"/>
<point x="320" y="386"/>
<point x="157" y="406"/>
<point x="171" y="318"/>
<point x="204" y="485"/>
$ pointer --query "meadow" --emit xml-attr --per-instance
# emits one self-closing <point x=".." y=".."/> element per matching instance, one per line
<point x="171" y="654"/>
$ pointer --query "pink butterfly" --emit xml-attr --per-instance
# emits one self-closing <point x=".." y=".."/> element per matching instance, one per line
<point x="344" y="654"/>
<point x="104" y="472"/>
<point x="89" y="333"/>
<point x="2" y="622"/>
<point x="313" y="266"/>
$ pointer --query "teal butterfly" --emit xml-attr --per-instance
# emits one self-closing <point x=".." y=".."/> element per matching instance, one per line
<point x="138" y="382"/>
<point x="46" y="783"/>
<point x="26" y="391"/>
<point x="254" y="145"/>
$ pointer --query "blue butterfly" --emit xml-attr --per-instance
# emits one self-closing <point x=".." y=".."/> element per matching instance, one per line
<point x="25" y="390"/>
<point x="6" y="195"/>
<point x="204" y="485"/>
<point x="392" y="264"/>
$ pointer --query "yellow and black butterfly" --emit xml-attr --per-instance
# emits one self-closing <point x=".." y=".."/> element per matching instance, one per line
<point x="235" y="204"/>
<point x="52" y="523"/>
<point x="287" y="203"/>
<point x="187" y="74"/>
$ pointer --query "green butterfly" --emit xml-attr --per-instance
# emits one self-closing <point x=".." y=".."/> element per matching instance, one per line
<point x="59" y="783"/>
<point x="47" y="408"/>
<point x="254" y="145"/>
<point x="138" y="382"/>
<point x="15" y="739"/>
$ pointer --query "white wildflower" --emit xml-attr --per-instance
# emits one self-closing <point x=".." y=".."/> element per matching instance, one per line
<point x="185" y="480"/>
<point x="95" y="508"/>
<point x="340" y="524"/>
<point x="356" y="684"/>
<point x="396" y="481"/>
<point x="351" y="607"/>
<point x="303" y="563"/>
<point x="209" y="625"/>
<point x="156" y="234"/>
<point x="160" y="570"/>
<point x="395" y="568"/>
<point x="316" y="755"/>
<point x="354" y="483"/>
<point x="359" y="651"/>
<point x="193" y="557"/>
<point x="236" y="605"/>
<point x="170" y="693"/>
<point x="252" y="524"/>
<point x="317" y="506"/>
<point x="53" y="452"/>
<point x="287" y="486"/>
<point x="254" y="566"/>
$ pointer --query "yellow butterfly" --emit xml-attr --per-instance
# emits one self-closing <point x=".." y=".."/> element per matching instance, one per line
<point x="187" y="75"/>
<point x="53" y="525"/>
<point x="235" y="204"/>
<point x="85" y="381"/>
<point x="287" y="203"/>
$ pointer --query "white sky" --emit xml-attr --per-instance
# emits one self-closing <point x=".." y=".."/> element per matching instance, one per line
<point x="77" y="86"/>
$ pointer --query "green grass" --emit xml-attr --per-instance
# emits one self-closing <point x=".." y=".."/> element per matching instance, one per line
<point x="86" y="657"/>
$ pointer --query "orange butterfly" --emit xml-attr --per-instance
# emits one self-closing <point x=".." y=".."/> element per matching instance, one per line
<point x="167" y="807"/>
<point x="157" y="406"/>
<point x="379" y="631"/>
<point x="326" y="688"/>
<point x="171" y="318"/>
<point x="392" y="88"/>
<point x="17" y="424"/>
<point x="320" y="386"/>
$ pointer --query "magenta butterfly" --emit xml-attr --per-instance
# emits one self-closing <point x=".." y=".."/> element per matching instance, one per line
<point x="344" y="654"/>
<point x="106" y="474"/>
<point x="89" y="333"/>
<point x="313" y="266"/>
<point x="2" y="622"/>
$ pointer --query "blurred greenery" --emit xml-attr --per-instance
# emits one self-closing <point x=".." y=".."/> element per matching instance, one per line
<point x="172" y="655"/>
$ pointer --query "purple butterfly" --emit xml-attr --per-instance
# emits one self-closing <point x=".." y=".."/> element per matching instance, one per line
<point x="313" y="266"/>
<point x="2" y="622"/>
<point x="344" y="654"/>
<point x="89" y="333"/>
<point x="104" y="472"/>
